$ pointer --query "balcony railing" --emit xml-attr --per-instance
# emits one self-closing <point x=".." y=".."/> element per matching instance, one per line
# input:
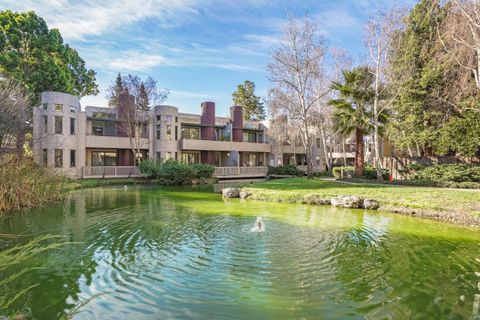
<point x="110" y="172"/>
<point x="234" y="172"/>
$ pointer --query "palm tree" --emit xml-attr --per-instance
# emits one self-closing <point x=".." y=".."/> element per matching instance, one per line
<point x="352" y="110"/>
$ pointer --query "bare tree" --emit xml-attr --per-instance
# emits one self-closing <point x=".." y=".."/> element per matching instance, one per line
<point x="294" y="70"/>
<point x="380" y="37"/>
<point x="14" y="106"/>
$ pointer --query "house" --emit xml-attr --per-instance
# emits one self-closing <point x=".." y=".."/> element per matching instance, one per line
<point x="100" y="142"/>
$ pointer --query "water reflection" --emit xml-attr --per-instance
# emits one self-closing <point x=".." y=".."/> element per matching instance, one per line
<point x="176" y="254"/>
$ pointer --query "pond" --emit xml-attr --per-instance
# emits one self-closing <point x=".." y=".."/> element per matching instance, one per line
<point x="158" y="254"/>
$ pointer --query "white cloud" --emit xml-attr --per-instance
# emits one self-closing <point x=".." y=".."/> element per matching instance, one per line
<point x="79" y="19"/>
<point x="133" y="60"/>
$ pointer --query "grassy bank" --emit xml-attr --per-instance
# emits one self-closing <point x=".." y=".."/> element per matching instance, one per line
<point x="456" y="206"/>
<point x="75" y="184"/>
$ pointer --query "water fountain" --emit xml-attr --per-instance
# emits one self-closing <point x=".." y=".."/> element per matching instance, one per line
<point x="259" y="225"/>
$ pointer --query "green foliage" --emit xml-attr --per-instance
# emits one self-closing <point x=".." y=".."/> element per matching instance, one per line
<point x="39" y="59"/>
<point x="252" y="105"/>
<point x="289" y="170"/>
<point x="173" y="173"/>
<point x="444" y="173"/>
<point x="117" y="89"/>
<point x="369" y="172"/>
<point x="25" y="184"/>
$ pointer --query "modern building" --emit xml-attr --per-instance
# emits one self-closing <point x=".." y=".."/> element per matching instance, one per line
<point x="99" y="141"/>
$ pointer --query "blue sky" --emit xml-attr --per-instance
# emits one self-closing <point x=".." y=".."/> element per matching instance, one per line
<point x="199" y="49"/>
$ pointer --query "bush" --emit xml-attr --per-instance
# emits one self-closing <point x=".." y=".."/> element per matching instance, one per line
<point x="172" y="173"/>
<point x="289" y="170"/>
<point x="369" y="172"/>
<point x="25" y="184"/>
<point x="458" y="173"/>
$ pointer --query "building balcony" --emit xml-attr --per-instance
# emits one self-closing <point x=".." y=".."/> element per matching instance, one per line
<point x="112" y="142"/>
<point x="208" y="145"/>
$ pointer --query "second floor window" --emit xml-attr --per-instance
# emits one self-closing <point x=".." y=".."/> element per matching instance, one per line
<point x="72" y="126"/>
<point x="59" y="107"/>
<point x="58" y="158"/>
<point x="168" y="132"/>
<point x="191" y="133"/>
<point x="58" y="125"/>
<point x="45" y="124"/>
<point x="158" y="128"/>
<point x="45" y="106"/>
<point x="249" y="137"/>
<point x="73" y="158"/>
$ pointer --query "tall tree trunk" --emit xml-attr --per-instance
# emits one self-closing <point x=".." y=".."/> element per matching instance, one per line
<point x="325" y="151"/>
<point x="359" y="152"/>
<point x="344" y="152"/>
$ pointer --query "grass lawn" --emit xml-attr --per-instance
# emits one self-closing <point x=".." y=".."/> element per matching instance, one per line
<point x="294" y="190"/>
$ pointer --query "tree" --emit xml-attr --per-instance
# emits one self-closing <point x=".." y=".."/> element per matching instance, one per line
<point x="38" y="58"/>
<point x="14" y="105"/>
<point x="419" y="113"/>
<point x="351" y="110"/>
<point x="252" y="105"/>
<point x="145" y="92"/>
<point x="115" y="91"/>
<point x="380" y="36"/>
<point x="294" y="70"/>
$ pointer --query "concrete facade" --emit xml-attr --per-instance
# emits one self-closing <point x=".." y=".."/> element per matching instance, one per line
<point x="71" y="140"/>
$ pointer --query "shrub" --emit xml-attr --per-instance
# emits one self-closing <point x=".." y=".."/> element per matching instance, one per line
<point x="289" y="170"/>
<point x="25" y="184"/>
<point x="172" y="173"/>
<point x="458" y="173"/>
<point x="369" y="172"/>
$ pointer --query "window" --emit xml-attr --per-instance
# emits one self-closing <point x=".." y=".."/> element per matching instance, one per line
<point x="168" y="133"/>
<point x="58" y="158"/>
<point x="45" y="124"/>
<point x="73" y="109"/>
<point x="58" y="125"/>
<point x="168" y="156"/>
<point x="103" y="128"/>
<point x="45" y="106"/>
<point x="159" y="157"/>
<point x="249" y="159"/>
<point x="191" y="133"/>
<point x="73" y="158"/>
<point x="45" y="157"/>
<point x="59" y="107"/>
<point x="190" y="157"/>
<point x="176" y="119"/>
<point x="176" y="133"/>
<point x="159" y="117"/>
<point x="249" y="137"/>
<point x="104" y="158"/>
<point x="72" y="126"/>
<point x="104" y="115"/>
<point x="158" y="131"/>
<point x="318" y="142"/>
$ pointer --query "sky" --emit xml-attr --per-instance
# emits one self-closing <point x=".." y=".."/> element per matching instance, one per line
<point x="199" y="49"/>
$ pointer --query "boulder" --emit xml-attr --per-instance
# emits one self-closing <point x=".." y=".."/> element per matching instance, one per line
<point x="244" y="194"/>
<point x="346" y="201"/>
<point x="315" y="199"/>
<point x="231" y="192"/>
<point x="370" y="204"/>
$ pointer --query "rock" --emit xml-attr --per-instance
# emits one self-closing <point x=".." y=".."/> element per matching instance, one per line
<point x="231" y="192"/>
<point x="346" y="201"/>
<point x="370" y="204"/>
<point x="244" y="194"/>
<point x="314" y="199"/>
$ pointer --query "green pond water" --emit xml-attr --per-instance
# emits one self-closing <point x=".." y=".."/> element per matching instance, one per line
<point x="165" y="254"/>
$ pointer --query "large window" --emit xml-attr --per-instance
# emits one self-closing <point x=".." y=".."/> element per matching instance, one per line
<point x="104" y="158"/>
<point x="249" y="137"/>
<point x="72" y="126"/>
<point x="249" y="159"/>
<point x="45" y="124"/>
<point x="45" y="157"/>
<point x="104" y="115"/>
<point x="58" y="125"/>
<point x="58" y="158"/>
<point x="59" y="107"/>
<point x="103" y="128"/>
<point x="168" y="132"/>
<point x="73" y="158"/>
<point x="191" y="133"/>
<point x="158" y="131"/>
<point x="191" y="157"/>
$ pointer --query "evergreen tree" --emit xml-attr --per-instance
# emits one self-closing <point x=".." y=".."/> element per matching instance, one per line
<point x="143" y="102"/>
<point x="419" y="113"/>
<point x="244" y="96"/>
<point x="115" y="91"/>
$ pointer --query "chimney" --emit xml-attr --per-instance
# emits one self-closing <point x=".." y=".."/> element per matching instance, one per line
<point x="207" y="120"/>
<point x="236" y="114"/>
<point x="126" y="110"/>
